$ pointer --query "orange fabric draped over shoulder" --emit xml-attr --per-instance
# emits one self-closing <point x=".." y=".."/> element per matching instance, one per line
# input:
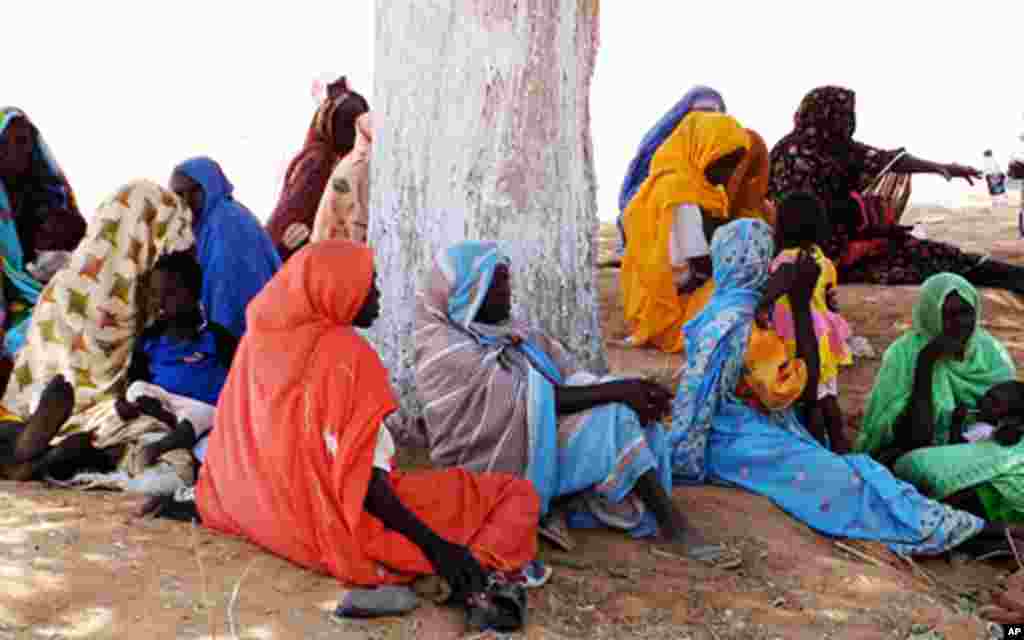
<point x="748" y="188"/>
<point x="291" y="455"/>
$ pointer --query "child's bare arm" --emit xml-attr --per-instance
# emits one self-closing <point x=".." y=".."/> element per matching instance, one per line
<point x="832" y="298"/>
<point x="778" y="284"/>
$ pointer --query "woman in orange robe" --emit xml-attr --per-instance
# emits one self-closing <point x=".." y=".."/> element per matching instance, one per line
<point x="299" y="463"/>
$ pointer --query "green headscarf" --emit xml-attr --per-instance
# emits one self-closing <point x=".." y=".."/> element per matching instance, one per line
<point x="986" y="363"/>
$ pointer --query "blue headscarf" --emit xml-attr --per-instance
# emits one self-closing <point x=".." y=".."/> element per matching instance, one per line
<point x="716" y="341"/>
<point x="640" y="166"/>
<point x="469" y="266"/>
<point x="26" y="288"/>
<point x="235" y="252"/>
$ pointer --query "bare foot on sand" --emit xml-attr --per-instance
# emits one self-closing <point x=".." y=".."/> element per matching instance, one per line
<point x="55" y="407"/>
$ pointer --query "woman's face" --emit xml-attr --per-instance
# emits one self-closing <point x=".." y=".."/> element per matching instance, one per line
<point x="497" y="305"/>
<point x="176" y="302"/>
<point x="719" y="172"/>
<point x="189" y="191"/>
<point x="16" y="145"/>
<point x="370" y="310"/>
<point x="958" y="319"/>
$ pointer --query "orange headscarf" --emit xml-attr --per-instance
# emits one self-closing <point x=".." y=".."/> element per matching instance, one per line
<point x="291" y="454"/>
<point x="748" y="188"/>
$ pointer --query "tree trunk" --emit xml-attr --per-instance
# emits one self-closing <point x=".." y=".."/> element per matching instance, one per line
<point x="484" y="133"/>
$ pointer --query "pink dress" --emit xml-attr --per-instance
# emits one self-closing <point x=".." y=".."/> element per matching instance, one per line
<point x="830" y="328"/>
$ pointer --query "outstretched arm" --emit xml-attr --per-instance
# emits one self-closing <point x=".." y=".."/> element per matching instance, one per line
<point x="912" y="164"/>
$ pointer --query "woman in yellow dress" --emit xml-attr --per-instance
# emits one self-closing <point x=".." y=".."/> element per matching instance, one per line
<point x="666" y="269"/>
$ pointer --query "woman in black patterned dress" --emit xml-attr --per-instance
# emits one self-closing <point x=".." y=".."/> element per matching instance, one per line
<point x="821" y="156"/>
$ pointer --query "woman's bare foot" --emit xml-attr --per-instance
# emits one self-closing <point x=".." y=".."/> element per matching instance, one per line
<point x="55" y="407"/>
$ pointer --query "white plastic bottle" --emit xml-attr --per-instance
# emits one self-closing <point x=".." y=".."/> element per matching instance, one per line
<point x="996" y="180"/>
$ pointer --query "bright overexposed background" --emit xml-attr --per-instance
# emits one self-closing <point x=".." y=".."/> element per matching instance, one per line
<point x="125" y="92"/>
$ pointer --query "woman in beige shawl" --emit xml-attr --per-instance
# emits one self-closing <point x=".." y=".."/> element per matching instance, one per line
<point x="500" y="395"/>
<point x="345" y="206"/>
<point x="89" y="315"/>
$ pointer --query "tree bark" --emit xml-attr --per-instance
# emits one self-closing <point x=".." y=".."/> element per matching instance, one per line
<point x="484" y="133"/>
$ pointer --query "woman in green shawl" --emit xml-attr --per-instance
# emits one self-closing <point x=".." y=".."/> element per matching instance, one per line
<point x="931" y="378"/>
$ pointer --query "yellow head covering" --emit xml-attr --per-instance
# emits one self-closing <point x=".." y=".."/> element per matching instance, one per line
<point x="700" y="139"/>
<point x="652" y="306"/>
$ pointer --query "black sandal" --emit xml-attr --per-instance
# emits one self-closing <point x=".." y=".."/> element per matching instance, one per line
<point x="501" y="607"/>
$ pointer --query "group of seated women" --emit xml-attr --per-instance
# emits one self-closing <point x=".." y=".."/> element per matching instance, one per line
<point x="173" y="302"/>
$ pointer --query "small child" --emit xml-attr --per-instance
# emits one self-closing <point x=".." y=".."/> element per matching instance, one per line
<point x="180" y="363"/>
<point x="999" y="416"/>
<point x="802" y="224"/>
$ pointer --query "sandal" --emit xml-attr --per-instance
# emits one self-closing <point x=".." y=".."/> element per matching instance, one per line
<point x="533" y="575"/>
<point x="381" y="602"/>
<point x="501" y="607"/>
<point x="554" y="528"/>
<point x="718" y="556"/>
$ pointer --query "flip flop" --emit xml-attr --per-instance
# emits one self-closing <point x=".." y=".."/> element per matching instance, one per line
<point x="718" y="556"/>
<point x="391" y="600"/>
<point x="532" y="576"/>
<point x="555" y="530"/>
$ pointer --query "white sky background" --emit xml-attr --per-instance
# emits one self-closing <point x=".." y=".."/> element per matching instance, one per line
<point x="122" y="93"/>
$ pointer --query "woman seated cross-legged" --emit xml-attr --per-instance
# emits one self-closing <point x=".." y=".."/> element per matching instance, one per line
<point x="300" y="460"/>
<point x="945" y="408"/>
<point x="501" y="395"/>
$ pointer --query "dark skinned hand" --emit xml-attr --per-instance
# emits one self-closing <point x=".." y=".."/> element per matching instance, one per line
<point x="153" y="408"/>
<point x="1008" y="436"/>
<point x="958" y="422"/>
<point x="648" y="399"/>
<point x="700" y="272"/>
<point x="942" y="347"/>
<point x="126" y="410"/>
<point x="832" y="299"/>
<point x="149" y="454"/>
<point x="459" y="568"/>
<point x="954" y="170"/>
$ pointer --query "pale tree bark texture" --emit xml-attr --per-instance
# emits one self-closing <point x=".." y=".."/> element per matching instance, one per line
<point x="484" y="133"/>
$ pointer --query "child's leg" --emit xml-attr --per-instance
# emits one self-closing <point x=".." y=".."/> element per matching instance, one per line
<point x="833" y="418"/>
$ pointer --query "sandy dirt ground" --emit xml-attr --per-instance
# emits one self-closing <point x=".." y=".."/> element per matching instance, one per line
<point x="78" y="565"/>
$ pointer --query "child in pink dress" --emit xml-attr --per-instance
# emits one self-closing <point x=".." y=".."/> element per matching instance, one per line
<point x="800" y="226"/>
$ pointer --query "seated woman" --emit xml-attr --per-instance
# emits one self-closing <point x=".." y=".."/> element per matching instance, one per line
<point x="698" y="98"/>
<point x="180" y="362"/>
<point x="820" y="156"/>
<point x="666" y="268"/>
<point x="731" y="426"/>
<point x="38" y="221"/>
<point x="235" y="252"/>
<point x="332" y="135"/>
<point x="930" y="380"/>
<point x="86" y="321"/>
<point x="300" y="459"/>
<point x="500" y="395"/>
<point x="344" y="211"/>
